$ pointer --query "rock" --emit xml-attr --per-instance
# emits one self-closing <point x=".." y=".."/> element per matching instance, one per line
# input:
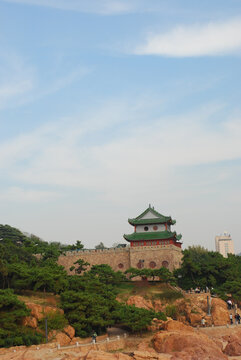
<point x="219" y="311"/>
<point x="173" y="325"/>
<point x="233" y="348"/>
<point x="70" y="331"/>
<point x="145" y="355"/>
<point x="140" y="302"/>
<point x="197" y="353"/>
<point x="62" y="339"/>
<point x="184" y="341"/>
<point x="39" y="311"/>
<point x="102" y="355"/>
<point x="30" y="321"/>
<point x="195" y="319"/>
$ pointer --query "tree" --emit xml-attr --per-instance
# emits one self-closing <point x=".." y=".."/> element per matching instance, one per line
<point x="12" y="312"/>
<point x="135" y="319"/>
<point x="106" y="274"/>
<point x="100" y="246"/>
<point x="82" y="266"/>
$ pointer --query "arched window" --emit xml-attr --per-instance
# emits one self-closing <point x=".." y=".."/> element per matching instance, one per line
<point x="146" y="228"/>
<point x="152" y="264"/>
<point x="165" y="264"/>
<point x="120" y="266"/>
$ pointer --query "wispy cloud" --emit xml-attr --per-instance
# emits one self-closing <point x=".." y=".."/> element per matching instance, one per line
<point x="17" y="79"/>
<point x="19" y="194"/>
<point x="104" y="7"/>
<point x="20" y="82"/>
<point x="78" y="154"/>
<point x="194" y="40"/>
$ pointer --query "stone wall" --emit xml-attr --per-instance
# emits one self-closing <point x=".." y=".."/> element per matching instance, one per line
<point x="124" y="258"/>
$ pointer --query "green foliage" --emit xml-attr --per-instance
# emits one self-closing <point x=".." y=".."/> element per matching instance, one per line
<point x="12" y="312"/>
<point x="135" y="319"/>
<point x="100" y="246"/>
<point x="106" y="274"/>
<point x="163" y="274"/>
<point x="82" y="266"/>
<point x="55" y="321"/>
<point x="204" y="268"/>
<point x="171" y="311"/>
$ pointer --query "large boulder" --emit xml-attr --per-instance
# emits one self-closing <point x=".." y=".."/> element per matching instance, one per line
<point x="70" y="331"/>
<point x="233" y="348"/>
<point x="62" y="339"/>
<point x="219" y="311"/>
<point x="184" y="341"/>
<point x="173" y="325"/>
<point x="140" y="302"/>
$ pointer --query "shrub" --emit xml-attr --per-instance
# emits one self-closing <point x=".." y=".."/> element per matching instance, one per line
<point x="171" y="311"/>
<point x="55" y="320"/>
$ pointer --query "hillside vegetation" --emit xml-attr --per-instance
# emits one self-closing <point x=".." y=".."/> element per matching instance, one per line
<point x="90" y="301"/>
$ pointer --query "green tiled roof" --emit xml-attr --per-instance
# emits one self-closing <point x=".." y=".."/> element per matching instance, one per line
<point x="157" y="235"/>
<point x="157" y="218"/>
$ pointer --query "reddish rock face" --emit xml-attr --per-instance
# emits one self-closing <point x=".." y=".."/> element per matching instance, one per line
<point x="173" y="325"/>
<point x="187" y="343"/>
<point x="220" y="314"/>
<point x="39" y="311"/>
<point x="30" y="321"/>
<point x="62" y="339"/>
<point x="70" y="331"/>
<point x="233" y="348"/>
<point x="140" y="302"/>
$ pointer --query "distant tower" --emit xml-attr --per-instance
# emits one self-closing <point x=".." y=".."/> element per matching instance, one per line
<point x="224" y="244"/>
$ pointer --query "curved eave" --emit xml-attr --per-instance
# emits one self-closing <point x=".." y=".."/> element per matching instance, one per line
<point x="162" y="220"/>
<point x="150" y="236"/>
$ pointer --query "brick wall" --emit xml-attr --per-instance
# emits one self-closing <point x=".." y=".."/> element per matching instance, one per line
<point x="124" y="258"/>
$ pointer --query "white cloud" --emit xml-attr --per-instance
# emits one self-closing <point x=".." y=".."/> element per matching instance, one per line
<point x="18" y="194"/>
<point x="195" y="40"/>
<point x="105" y="7"/>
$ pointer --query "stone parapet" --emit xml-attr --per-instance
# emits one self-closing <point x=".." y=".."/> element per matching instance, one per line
<point x="124" y="258"/>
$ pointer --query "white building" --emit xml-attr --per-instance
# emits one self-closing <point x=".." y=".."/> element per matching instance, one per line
<point x="224" y="244"/>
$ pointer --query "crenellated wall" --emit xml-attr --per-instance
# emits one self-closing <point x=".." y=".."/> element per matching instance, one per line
<point x="124" y="258"/>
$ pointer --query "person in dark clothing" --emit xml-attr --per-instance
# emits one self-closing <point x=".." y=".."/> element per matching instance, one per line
<point x="94" y="336"/>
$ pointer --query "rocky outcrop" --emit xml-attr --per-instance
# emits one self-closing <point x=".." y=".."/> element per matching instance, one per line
<point x="219" y="311"/>
<point x="30" y="321"/>
<point x="40" y="311"/>
<point x="70" y="331"/>
<point x="233" y="348"/>
<point x="140" y="302"/>
<point x="184" y="341"/>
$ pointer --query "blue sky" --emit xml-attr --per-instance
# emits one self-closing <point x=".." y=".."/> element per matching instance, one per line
<point x="109" y="105"/>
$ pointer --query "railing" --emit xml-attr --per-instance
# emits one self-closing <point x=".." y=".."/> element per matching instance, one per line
<point x="107" y="340"/>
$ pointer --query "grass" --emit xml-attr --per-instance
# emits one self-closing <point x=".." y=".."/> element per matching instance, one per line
<point x="39" y="298"/>
<point x="169" y="295"/>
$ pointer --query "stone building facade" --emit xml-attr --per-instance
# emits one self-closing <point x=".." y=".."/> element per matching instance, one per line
<point x="152" y="245"/>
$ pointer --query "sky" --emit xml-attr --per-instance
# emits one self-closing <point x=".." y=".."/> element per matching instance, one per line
<point x="107" y="106"/>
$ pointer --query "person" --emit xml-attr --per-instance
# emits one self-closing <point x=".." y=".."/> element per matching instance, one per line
<point x="94" y="336"/>
<point x="238" y="318"/>
<point x="229" y="302"/>
<point x="231" y="319"/>
<point x="203" y="322"/>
